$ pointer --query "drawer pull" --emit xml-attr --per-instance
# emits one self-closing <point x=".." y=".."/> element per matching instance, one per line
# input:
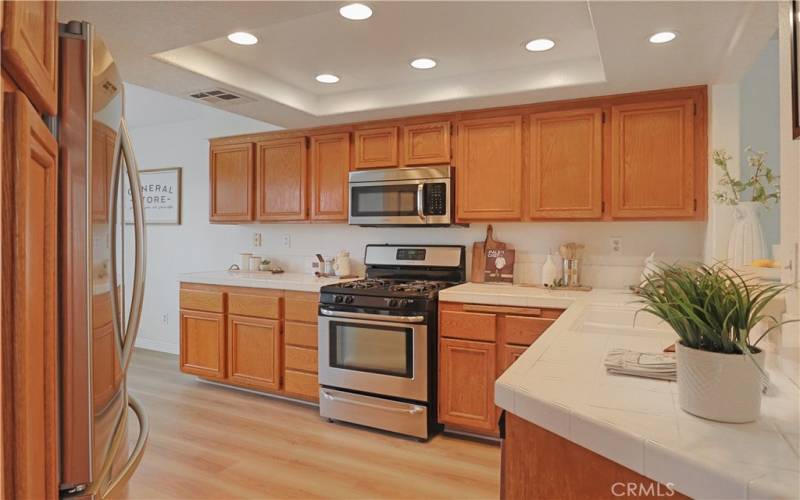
<point x="519" y="311"/>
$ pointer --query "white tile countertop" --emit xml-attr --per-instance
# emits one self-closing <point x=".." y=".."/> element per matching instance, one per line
<point x="560" y="384"/>
<point x="285" y="281"/>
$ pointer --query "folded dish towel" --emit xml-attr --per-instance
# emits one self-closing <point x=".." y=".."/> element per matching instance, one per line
<point x="660" y="366"/>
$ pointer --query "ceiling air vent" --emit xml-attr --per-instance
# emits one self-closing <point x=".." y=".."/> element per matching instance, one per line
<point x="219" y="96"/>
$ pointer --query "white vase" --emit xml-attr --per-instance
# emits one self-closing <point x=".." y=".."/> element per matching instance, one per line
<point x="721" y="387"/>
<point x="747" y="239"/>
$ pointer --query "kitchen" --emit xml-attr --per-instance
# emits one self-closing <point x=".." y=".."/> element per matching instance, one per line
<point x="397" y="175"/>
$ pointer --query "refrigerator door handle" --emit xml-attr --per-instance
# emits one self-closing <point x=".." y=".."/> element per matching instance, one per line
<point x="123" y="153"/>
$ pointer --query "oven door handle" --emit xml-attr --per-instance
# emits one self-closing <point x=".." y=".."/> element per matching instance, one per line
<point x="413" y="410"/>
<point x="421" y="201"/>
<point x="374" y="317"/>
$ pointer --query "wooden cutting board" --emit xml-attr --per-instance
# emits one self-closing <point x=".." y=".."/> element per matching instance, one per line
<point x="479" y="249"/>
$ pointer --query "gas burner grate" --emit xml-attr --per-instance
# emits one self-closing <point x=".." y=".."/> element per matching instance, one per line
<point x="418" y="286"/>
<point x="365" y="284"/>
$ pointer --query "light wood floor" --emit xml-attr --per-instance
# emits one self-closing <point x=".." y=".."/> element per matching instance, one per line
<point x="218" y="443"/>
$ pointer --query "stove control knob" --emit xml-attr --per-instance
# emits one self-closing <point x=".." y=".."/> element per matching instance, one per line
<point x="403" y="302"/>
<point x="349" y="299"/>
<point x="338" y="299"/>
<point x="392" y="302"/>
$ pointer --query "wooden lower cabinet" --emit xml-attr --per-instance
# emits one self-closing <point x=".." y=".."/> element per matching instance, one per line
<point x="203" y="343"/>
<point x="534" y="461"/>
<point x="254" y="347"/>
<point x="466" y="384"/>
<point x="477" y="343"/>
<point x="250" y="337"/>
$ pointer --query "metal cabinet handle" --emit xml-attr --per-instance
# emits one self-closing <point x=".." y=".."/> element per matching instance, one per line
<point x="421" y="201"/>
<point x="414" y="410"/>
<point x="375" y="317"/>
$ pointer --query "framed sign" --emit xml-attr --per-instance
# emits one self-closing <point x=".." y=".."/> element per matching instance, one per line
<point x="499" y="266"/>
<point x="161" y="195"/>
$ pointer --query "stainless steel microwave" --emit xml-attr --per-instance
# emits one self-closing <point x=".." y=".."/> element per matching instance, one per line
<point x="402" y="197"/>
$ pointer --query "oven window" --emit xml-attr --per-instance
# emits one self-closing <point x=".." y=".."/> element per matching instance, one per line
<point x="372" y="348"/>
<point x="384" y="201"/>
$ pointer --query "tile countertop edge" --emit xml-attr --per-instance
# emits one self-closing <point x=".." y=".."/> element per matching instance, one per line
<point x="297" y="282"/>
<point x="656" y="458"/>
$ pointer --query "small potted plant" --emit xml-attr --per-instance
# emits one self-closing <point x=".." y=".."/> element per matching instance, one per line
<point x="746" y="241"/>
<point x="713" y="309"/>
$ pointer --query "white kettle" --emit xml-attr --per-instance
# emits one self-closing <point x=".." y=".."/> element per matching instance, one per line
<point x="341" y="264"/>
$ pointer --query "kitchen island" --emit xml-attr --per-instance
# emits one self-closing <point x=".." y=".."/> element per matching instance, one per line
<point x="564" y="412"/>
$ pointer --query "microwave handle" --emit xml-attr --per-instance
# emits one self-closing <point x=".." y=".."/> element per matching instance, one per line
<point x="421" y="201"/>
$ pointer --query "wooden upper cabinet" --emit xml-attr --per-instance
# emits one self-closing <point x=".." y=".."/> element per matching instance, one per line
<point x="330" y="166"/>
<point x="30" y="48"/>
<point x="426" y="144"/>
<point x="29" y="299"/>
<point x="281" y="174"/>
<point x="652" y="160"/>
<point x="231" y="183"/>
<point x="566" y="161"/>
<point x="376" y="148"/>
<point x="489" y="169"/>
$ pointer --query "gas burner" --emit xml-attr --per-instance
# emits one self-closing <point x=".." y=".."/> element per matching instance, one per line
<point x="364" y="284"/>
<point x="418" y="286"/>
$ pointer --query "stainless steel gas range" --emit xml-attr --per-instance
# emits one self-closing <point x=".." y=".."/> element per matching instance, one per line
<point x="377" y="339"/>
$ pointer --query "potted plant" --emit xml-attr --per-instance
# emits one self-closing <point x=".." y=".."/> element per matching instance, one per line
<point x="713" y="309"/>
<point x="746" y="241"/>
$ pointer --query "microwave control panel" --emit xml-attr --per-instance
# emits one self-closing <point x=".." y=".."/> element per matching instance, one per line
<point x="436" y="198"/>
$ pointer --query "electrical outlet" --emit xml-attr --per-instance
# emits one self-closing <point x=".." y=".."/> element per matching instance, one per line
<point x="286" y="240"/>
<point x="165" y="319"/>
<point x="256" y="239"/>
<point x="616" y="244"/>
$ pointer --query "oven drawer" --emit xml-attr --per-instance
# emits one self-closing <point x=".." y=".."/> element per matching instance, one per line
<point x="395" y="416"/>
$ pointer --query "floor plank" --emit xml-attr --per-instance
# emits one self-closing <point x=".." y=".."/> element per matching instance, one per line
<point x="209" y="442"/>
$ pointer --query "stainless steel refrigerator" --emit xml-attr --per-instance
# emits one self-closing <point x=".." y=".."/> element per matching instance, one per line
<point x="102" y="271"/>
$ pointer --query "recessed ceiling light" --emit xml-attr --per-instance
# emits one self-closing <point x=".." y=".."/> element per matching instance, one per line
<point x="356" y="12"/>
<point x="242" y="38"/>
<point x="423" y="63"/>
<point x="327" y="78"/>
<point x="540" y="45"/>
<point x="663" y="37"/>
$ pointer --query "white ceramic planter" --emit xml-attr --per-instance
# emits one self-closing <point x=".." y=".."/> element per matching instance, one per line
<point x="721" y="387"/>
<point x="746" y="242"/>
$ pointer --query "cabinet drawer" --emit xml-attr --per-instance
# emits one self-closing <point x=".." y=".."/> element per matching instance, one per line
<point x="302" y="384"/>
<point x="259" y="306"/>
<point x="301" y="307"/>
<point x="301" y="334"/>
<point x="468" y="325"/>
<point x="301" y="358"/>
<point x="203" y="300"/>
<point x="522" y="330"/>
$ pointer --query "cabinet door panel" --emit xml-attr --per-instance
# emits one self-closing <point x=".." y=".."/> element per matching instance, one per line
<point x="330" y="166"/>
<point x="509" y="354"/>
<point x="231" y="183"/>
<point x="466" y="385"/>
<point x="29" y="299"/>
<point x="281" y="180"/>
<point x="652" y="160"/>
<point x="426" y="144"/>
<point x="254" y="352"/>
<point x="376" y="148"/>
<point x="203" y="344"/>
<point x="566" y="164"/>
<point x="489" y="169"/>
<point x="30" y="48"/>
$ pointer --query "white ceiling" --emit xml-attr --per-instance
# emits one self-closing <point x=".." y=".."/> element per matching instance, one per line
<point x="602" y="48"/>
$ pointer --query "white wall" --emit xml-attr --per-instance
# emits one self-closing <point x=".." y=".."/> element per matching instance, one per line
<point x="197" y="245"/>
<point x="759" y="116"/>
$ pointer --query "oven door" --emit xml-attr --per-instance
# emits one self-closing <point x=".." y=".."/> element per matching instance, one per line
<point x="404" y="202"/>
<point x="374" y="353"/>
